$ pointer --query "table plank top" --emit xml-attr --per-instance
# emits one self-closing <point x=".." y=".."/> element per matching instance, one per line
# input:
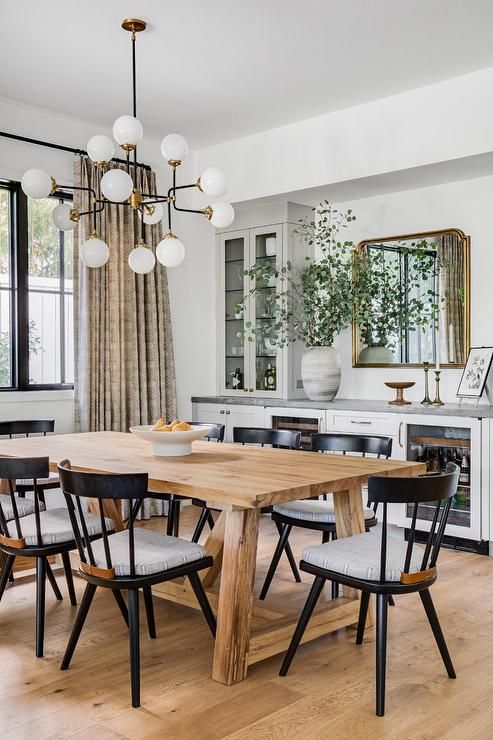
<point x="228" y="474"/>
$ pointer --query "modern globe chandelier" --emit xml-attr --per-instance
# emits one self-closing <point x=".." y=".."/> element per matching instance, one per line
<point x="116" y="186"/>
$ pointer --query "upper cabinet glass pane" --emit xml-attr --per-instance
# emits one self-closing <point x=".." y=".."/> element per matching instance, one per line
<point x="234" y="282"/>
<point x="266" y="351"/>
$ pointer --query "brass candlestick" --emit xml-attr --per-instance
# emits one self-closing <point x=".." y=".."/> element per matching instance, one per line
<point x="426" y="400"/>
<point x="438" y="401"/>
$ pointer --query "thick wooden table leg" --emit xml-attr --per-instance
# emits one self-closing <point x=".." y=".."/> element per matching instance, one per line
<point x="236" y="596"/>
<point x="348" y="506"/>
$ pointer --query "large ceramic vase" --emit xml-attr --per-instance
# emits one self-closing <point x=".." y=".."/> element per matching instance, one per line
<point x="376" y="356"/>
<point x="321" y="373"/>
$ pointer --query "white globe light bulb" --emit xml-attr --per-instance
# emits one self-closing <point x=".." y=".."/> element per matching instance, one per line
<point x="100" y="148"/>
<point x="116" y="185"/>
<point x="222" y="214"/>
<point x="36" y="183"/>
<point x="155" y="217"/>
<point x="94" y="252"/>
<point x="213" y="182"/>
<point x="61" y="217"/>
<point x="174" y="148"/>
<point x="170" y="252"/>
<point x="128" y="130"/>
<point x="141" y="260"/>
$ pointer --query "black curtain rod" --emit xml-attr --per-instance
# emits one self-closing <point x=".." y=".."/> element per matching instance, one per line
<point x="61" y="148"/>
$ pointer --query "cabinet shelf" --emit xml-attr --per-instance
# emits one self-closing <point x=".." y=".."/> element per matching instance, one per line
<point x="442" y="442"/>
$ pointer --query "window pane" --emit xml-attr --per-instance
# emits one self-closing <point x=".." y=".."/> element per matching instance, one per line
<point x="5" y="293"/>
<point x="44" y="338"/>
<point x="50" y="290"/>
<point x="44" y="246"/>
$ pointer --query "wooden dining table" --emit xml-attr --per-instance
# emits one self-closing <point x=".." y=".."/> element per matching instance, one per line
<point x="239" y="481"/>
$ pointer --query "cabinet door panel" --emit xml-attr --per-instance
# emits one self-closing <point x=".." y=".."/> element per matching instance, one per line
<point x="243" y="416"/>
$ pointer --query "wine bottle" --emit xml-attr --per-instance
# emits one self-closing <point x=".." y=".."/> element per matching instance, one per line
<point x="464" y="475"/>
<point x="270" y="378"/>
<point x="237" y="379"/>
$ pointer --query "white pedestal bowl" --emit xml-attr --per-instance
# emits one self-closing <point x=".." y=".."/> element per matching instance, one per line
<point x="171" y="444"/>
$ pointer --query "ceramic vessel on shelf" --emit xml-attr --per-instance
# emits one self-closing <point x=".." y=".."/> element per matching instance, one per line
<point x="170" y="444"/>
<point x="270" y="246"/>
<point x="399" y="387"/>
<point x="321" y="373"/>
<point x="376" y="355"/>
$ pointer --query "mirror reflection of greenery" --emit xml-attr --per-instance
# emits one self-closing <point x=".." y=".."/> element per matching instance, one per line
<point x="340" y="284"/>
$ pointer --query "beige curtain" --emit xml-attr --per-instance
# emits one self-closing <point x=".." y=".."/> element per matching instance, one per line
<point x="451" y="285"/>
<point x="124" y="362"/>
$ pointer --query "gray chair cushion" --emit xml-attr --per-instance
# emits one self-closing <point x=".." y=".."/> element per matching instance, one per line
<point x="56" y="527"/>
<point x="309" y="510"/>
<point x="154" y="552"/>
<point x="359" y="556"/>
<point x="24" y="506"/>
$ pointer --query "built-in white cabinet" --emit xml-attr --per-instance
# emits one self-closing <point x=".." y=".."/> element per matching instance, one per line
<point x="229" y="415"/>
<point x="249" y="360"/>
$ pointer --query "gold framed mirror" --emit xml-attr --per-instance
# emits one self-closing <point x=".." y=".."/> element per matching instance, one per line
<point x="416" y="300"/>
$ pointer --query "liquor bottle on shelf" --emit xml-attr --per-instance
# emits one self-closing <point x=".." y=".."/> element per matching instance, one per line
<point x="464" y="475"/>
<point x="270" y="378"/>
<point x="237" y="379"/>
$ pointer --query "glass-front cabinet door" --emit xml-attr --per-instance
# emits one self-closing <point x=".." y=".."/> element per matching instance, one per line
<point x="234" y="262"/>
<point x="265" y="357"/>
<point x="249" y="359"/>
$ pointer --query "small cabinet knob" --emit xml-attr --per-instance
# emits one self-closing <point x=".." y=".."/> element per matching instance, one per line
<point x="228" y="412"/>
<point x="250" y="390"/>
<point x="246" y="390"/>
<point x="222" y="411"/>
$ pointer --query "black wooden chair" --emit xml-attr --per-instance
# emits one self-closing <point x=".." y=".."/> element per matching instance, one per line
<point x="25" y="427"/>
<point x="277" y="438"/>
<point x="384" y="564"/>
<point x="174" y="502"/>
<point x="27" y="529"/>
<point x="130" y="560"/>
<point x="320" y="515"/>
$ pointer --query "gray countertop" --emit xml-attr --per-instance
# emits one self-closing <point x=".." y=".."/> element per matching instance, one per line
<point x="468" y="410"/>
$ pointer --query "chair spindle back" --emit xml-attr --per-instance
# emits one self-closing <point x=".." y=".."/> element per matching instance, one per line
<point x="11" y="469"/>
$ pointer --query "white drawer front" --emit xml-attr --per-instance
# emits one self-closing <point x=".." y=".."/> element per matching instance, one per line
<point x="387" y="424"/>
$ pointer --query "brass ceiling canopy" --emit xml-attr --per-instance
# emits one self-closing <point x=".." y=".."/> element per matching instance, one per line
<point x="134" y="25"/>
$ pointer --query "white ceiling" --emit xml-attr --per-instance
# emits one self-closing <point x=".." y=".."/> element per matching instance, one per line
<point x="221" y="69"/>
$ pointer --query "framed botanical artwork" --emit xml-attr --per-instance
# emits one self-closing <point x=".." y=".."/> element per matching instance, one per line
<point x="475" y="372"/>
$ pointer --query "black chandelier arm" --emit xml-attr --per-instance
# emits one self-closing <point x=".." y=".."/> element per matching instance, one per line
<point x="62" y="188"/>
<point x="92" y="210"/>
<point x="188" y="210"/>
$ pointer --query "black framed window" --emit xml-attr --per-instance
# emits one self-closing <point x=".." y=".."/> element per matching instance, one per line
<point x="36" y="293"/>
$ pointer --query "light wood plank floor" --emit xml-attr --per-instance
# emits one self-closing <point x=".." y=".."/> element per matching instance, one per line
<point x="329" y="692"/>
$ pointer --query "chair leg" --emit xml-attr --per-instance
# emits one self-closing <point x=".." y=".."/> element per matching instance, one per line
<point x="11" y="577"/>
<point x="199" y="527"/>
<point x="40" y="604"/>
<point x="6" y="572"/>
<point x="151" y="623"/>
<point x="210" y="520"/>
<point x="199" y="592"/>
<point x="391" y="600"/>
<point x="171" y="518"/>
<point x="363" y="611"/>
<point x="133" y="614"/>
<point x="326" y="537"/>
<point x="281" y="544"/>
<point x="121" y="604"/>
<point x="289" y="555"/>
<point x="437" y="631"/>
<point x="310" y="605"/>
<point x="69" y="577"/>
<point x="176" y="519"/>
<point x="381" y="647"/>
<point x="54" y="585"/>
<point x="87" y="598"/>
